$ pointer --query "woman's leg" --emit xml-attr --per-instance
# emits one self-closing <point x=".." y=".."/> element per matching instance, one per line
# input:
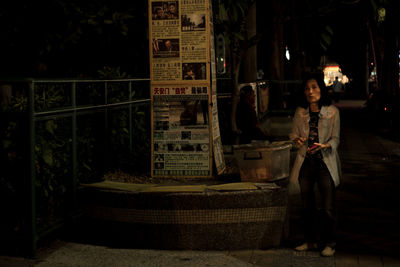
<point x="328" y="195"/>
<point x="307" y="182"/>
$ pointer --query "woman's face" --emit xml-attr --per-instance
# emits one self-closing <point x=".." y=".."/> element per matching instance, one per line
<point x="312" y="91"/>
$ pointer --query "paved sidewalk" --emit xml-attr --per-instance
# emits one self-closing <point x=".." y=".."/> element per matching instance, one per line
<point x="74" y="254"/>
<point x="62" y="253"/>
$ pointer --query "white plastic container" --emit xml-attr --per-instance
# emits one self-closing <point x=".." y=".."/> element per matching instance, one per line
<point x="263" y="161"/>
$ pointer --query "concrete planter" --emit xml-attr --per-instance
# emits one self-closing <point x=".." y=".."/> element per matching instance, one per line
<point x="209" y="220"/>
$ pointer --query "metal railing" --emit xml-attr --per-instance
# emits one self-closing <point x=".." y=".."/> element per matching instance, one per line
<point x="78" y="99"/>
<point x="134" y="95"/>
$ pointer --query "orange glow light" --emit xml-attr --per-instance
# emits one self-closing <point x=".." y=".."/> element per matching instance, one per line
<point x="332" y="68"/>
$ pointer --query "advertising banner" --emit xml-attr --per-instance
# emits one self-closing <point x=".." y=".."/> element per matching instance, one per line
<point x="181" y="131"/>
<point x="184" y="127"/>
<point x="179" y="41"/>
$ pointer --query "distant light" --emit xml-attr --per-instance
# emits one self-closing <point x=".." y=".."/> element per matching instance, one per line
<point x="332" y="71"/>
<point x="287" y="53"/>
<point x="334" y="68"/>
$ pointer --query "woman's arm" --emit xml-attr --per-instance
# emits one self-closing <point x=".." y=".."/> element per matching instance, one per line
<point x="295" y="134"/>
<point x="335" y="138"/>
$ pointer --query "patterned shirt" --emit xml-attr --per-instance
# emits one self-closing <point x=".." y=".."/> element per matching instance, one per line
<point x="313" y="135"/>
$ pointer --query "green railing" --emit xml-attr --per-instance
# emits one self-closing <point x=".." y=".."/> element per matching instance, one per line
<point x="57" y="134"/>
<point x="68" y="120"/>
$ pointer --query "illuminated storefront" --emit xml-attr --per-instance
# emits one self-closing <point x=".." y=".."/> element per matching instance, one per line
<point x="333" y="71"/>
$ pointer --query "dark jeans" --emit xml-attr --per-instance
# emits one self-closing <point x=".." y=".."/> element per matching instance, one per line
<point x="314" y="171"/>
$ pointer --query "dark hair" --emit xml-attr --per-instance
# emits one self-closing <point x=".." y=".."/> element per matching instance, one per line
<point x="319" y="78"/>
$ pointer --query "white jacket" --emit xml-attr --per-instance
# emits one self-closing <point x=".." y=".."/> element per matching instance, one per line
<point x="328" y="132"/>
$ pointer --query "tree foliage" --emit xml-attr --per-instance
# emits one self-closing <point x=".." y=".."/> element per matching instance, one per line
<point x="70" y="38"/>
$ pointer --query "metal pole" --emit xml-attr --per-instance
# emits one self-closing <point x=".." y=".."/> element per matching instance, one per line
<point x="130" y="117"/>
<point x="377" y="82"/>
<point x="74" y="148"/>
<point x="32" y="182"/>
<point x="105" y="127"/>
<point x="367" y="70"/>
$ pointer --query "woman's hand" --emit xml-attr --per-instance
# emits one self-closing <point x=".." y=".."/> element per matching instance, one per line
<point x="299" y="142"/>
<point x="316" y="147"/>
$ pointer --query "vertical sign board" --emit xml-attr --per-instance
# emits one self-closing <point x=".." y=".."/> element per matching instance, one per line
<point x="217" y="143"/>
<point x="180" y="88"/>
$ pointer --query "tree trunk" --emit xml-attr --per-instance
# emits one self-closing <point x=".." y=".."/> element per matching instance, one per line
<point x="250" y="60"/>
<point x="296" y="55"/>
<point x="250" y="67"/>
<point x="277" y="68"/>
<point x="366" y="78"/>
<point x="384" y="39"/>
<point x="390" y="66"/>
<point x="276" y="65"/>
<point x="236" y="60"/>
<point x="373" y="50"/>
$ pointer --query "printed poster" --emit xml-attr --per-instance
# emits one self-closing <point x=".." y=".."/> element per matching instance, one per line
<point x="219" y="158"/>
<point x="179" y="41"/>
<point x="181" y="131"/>
<point x="185" y="129"/>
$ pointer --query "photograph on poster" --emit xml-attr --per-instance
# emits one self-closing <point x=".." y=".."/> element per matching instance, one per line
<point x="204" y="147"/>
<point x="165" y="48"/>
<point x="158" y="165"/>
<point x="159" y="157"/>
<point x="165" y="10"/>
<point x="161" y="125"/>
<point x="188" y="147"/>
<point x="186" y="135"/>
<point x="194" y="71"/>
<point x="193" y="22"/>
<point x="158" y="135"/>
<point x="182" y="113"/>
<point x="160" y="147"/>
<point x="193" y="113"/>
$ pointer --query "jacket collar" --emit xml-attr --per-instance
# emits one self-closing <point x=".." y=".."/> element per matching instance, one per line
<point x="322" y="113"/>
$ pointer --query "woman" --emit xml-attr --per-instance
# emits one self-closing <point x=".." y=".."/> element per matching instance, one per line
<point x="316" y="134"/>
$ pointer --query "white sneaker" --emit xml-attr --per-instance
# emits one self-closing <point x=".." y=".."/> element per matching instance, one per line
<point x="328" y="251"/>
<point x="306" y="246"/>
